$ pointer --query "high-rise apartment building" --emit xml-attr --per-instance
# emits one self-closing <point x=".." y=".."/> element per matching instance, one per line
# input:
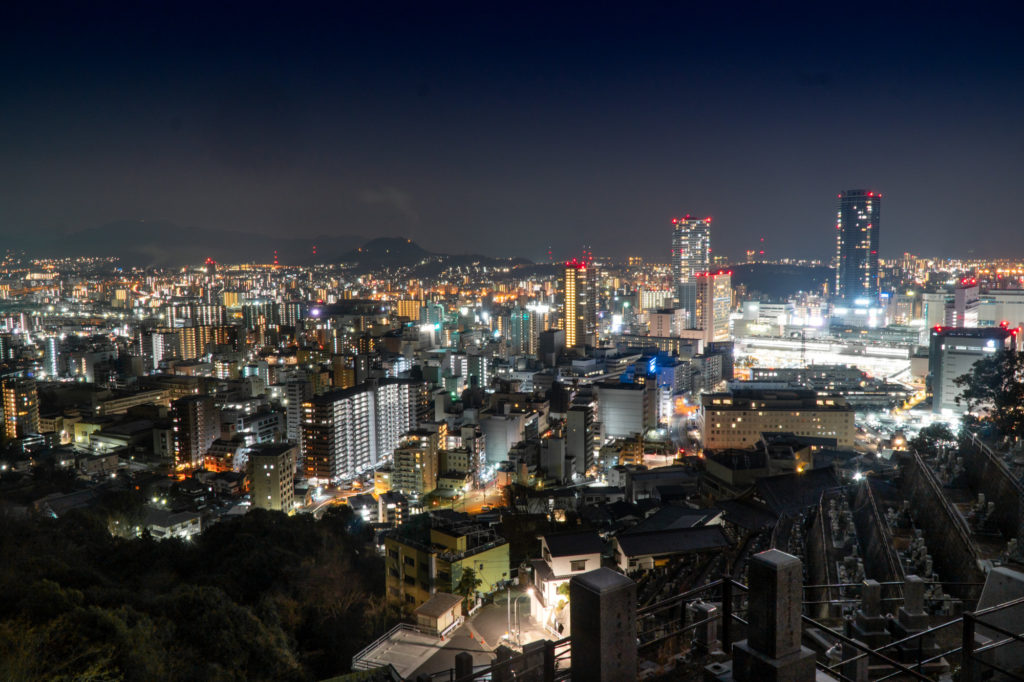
<point x="579" y="310"/>
<point x="196" y="425"/>
<point x="415" y="467"/>
<point x="298" y="390"/>
<point x="409" y="308"/>
<point x="857" y="227"/>
<point x="21" y="407"/>
<point x="581" y="437"/>
<point x="51" y="357"/>
<point x="272" y="475"/>
<point x="347" y="431"/>
<point x="714" y="303"/>
<point x="691" y="253"/>
<point x="523" y="333"/>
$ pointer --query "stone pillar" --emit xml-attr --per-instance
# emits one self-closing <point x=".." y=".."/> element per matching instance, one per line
<point x="463" y="665"/>
<point x="602" y="607"/>
<point x="854" y="670"/>
<point x="772" y="651"/>
<point x="502" y="665"/>
<point x="911" y="617"/>
<point x="705" y="637"/>
<point x="868" y="624"/>
<point x="533" y="662"/>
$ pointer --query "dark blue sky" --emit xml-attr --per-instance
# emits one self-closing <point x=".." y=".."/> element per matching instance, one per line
<point x="503" y="130"/>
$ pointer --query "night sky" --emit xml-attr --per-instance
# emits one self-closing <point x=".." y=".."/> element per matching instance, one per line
<point x="501" y="131"/>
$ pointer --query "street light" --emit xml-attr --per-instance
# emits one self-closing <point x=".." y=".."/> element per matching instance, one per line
<point x="519" y="628"/>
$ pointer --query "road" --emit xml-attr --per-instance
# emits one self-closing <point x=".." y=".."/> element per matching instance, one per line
<point x="492" y="621"/>
<point x="473" y="501"/>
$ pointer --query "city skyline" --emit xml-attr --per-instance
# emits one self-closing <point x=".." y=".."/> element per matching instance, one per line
<point x="482" y="341"/>
<point x="507" y="134"/>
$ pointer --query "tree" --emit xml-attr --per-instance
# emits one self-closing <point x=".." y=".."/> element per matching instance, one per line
<point x="928" y="439"/>
<point x="468" y="582"/>
<point x="995" y="384"/>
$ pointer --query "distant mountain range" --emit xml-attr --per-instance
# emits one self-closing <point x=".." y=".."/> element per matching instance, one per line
<point x="780" y="281"/>
<point x="157" y="243"/>
<point x="394" y="252"/>
<point x="164" y="244"/>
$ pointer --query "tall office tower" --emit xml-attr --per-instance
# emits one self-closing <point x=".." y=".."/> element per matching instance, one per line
<point x="21" y="407"/>
<point x="272" y="476"/>
<point x="579" y="308"/>
<point x="345" y="432"/>
<point x="523" y="333"/>
<point x="857" y="227"/>
<point x="691" y="253"/>
<point x="714" y="303"/>
<point x="196" y="426"/>
<point x="952" y="353"/>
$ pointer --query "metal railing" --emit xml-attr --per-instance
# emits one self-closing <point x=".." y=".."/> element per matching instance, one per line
<point x="967" y="650"/>
<point x="551" y="660"/>
<point x="357" y="660"/>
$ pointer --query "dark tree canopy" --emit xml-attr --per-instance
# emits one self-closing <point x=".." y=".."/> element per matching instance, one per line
<point x="930" y="438"/>
<point x="995" y="389"/>
<point x="468" y="584"/>
<point x="265" y="596"/>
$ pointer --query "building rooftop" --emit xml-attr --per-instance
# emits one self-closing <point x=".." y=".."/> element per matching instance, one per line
<point x="269" y="449"/>
<point x="794" y="492"/>
<point x="674" y="518"/>
<point x="438" y="605"/>
<point x="574" y="544"/>
<point x="676" y="541"/>
<point x="747" y="514"/>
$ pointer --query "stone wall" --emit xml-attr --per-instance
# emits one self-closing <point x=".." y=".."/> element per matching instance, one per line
<point x="988" y="475"/>
<point x="954" y="554"/>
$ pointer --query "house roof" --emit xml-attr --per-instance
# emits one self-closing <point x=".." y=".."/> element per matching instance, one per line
<point x="672" y="518"/>
<point x="574" y="544"/>
<point x="747" y="513"/>
<point x="664" y="542"/>
<point x="438" y="605"/>
<point x="794" y="492"/>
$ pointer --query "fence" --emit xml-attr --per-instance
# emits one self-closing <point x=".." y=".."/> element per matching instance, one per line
<point x="550" y="661"/>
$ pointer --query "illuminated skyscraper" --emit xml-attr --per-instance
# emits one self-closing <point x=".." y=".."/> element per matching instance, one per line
<point x="580" y="306"/>
<point x="857" y="225"/>
<point x="691" y="253"/>
<point x="714" y="303"/>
